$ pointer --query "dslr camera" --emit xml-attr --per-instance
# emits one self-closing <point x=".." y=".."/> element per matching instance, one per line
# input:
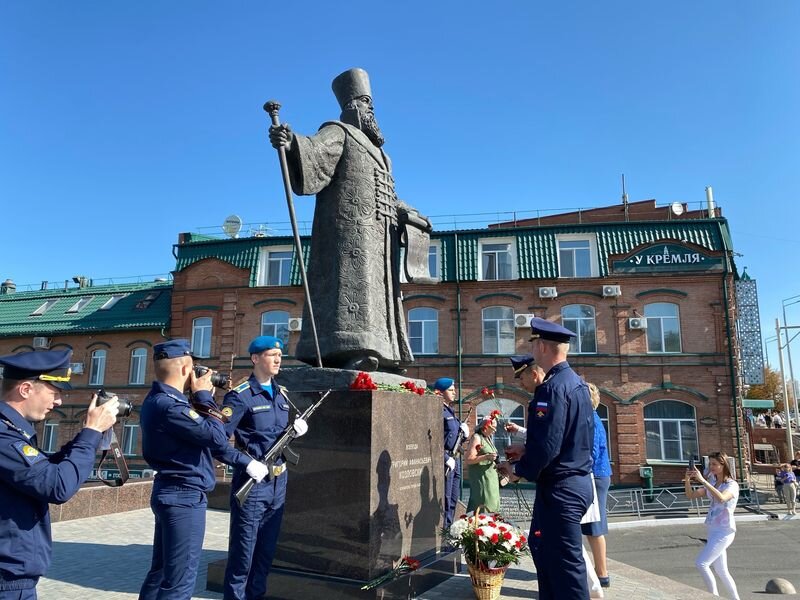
<point x="217" y="379"/>
<point x="125" y="407"/>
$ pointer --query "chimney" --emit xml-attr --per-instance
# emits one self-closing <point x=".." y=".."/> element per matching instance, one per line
<point x="8" y="287"/>
<point x="710" y="201"/>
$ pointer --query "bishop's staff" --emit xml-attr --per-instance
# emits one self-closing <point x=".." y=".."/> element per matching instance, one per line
<point x="272" y="107"/>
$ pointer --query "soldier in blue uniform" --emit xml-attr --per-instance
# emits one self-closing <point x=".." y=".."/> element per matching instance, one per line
<point x="558" y="457"/>
<point x="258" y="413"/>
<point x="30" y="479"/>
<point x="445" y="387"/>
<point x="177" y="441"/>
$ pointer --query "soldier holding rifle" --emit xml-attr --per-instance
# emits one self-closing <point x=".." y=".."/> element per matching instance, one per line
<point x="455" y="433"/>
<point x="258" y="412"/>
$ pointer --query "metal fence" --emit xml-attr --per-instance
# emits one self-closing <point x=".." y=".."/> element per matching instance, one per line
<point x="668" y="500"/>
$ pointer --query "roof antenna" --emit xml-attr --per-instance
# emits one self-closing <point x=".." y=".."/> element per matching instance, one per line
<point x="624" y="198"/>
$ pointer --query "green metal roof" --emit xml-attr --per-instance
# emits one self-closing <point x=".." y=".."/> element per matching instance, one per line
<point x="537" y="248"/>
<point x="143" y="306"/>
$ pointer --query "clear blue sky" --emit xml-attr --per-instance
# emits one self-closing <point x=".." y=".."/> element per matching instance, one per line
<point x="123" y="124"/>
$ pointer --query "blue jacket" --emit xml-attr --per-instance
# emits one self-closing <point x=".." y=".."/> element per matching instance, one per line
<point x="29" y="480"/>
<point x="560" y="429"/>
<point x="451" y="429"/>
<point x="177" y="441"/>
<point x="601" y="466"/>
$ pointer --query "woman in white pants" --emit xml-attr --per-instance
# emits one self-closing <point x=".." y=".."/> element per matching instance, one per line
<point x="723" y="492"/>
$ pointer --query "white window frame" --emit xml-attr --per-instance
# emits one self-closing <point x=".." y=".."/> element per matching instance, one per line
<point x="512" y="242"/>
<point x="501" y="438"/>
<point x="575" y="344"/>
<point x="112" y="301"/>
<point x="264" y="265"/>
<point x="50" y="436"/>
<point x="578" y="237"/>
<point x="607" y="424"/>
<point x="130" y="431"/>
<point x="499" y="339"/>
<point x="651" y="320"/>
<point x="684" y="452"/>
<point x="48" y="304"/>
<point x="79" y="305"/>
<point x="436" y="249"/>
<point x="97" y="370"/>
<point x="199" y="334"/>
<point x="275" y="325"/>
<point x="138" y="370"/>
<point x="429" y="330"/>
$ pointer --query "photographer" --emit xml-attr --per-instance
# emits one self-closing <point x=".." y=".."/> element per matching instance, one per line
<point x="29" y="479"/>
<point x="177" y="441"/>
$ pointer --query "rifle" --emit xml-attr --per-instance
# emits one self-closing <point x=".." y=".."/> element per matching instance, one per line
<point x="459" y="440"/>
<point x="278" y="449"/>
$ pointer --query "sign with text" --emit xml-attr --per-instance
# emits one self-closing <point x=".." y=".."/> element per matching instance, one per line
<point x="663" y="258"/>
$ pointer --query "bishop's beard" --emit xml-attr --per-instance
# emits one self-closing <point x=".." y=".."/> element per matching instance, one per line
<point x="371" y="128"/>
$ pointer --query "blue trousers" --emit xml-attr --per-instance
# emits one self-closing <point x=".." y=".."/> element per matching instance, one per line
<point x="253" y="538"/>
<point x="555" y="537"/>
<point x="177" y="544"/>
<point x="29" y="594"/>
<point x="452" y="488"/>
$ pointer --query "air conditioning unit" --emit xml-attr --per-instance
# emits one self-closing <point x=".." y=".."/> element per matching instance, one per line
<point x="522" y="320"/>
<point x="295" y="324"/>
<point x="77" y="368"/>
<point x="637" y="323"/>
<point x="612" y="291"/>
<point x="547" y="292"/>
<point x="41" y="343"/>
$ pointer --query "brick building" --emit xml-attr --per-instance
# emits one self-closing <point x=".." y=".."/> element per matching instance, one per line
<point x="650" y="292"/>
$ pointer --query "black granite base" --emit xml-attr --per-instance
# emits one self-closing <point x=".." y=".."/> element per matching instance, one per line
<point x="287" y="584"/>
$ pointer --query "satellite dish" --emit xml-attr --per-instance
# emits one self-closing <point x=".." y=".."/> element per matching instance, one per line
<point x="232" y="226"/>
<point x="676" y="208"/>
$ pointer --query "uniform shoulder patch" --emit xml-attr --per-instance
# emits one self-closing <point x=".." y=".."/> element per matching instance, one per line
<point x="241" y="387"/>
<point x="192" y="414"/>
<point x="227" y="411"/>
<point x="28" y="452"/>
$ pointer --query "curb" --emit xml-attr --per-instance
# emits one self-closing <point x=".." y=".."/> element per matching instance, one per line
<point x="682" y="521"/>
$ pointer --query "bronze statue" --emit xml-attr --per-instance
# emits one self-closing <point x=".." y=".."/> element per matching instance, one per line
<point x="359" y="227"/>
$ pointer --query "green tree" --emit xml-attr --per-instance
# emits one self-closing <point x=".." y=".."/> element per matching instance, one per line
<point x="771" y="389"/>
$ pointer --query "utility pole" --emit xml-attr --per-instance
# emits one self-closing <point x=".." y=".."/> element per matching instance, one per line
<point x="789" y="445"/>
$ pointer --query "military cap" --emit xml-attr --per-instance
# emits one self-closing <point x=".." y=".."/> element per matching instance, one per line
<point x="520" y="363"/>
<point x="350" y="85"/>
<point x="265" y="342"/>
<point x="547" y="330"/>
<point x="443" y="384"/>
<point x="51" y="366"/>
<point x="172" y="349"/>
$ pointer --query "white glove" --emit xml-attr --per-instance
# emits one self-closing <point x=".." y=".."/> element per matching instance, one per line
<point x="257" y="470"/>
<point x="464" y="429"/>
<point x="450" y="463"/>
<point x="300" y="427"/>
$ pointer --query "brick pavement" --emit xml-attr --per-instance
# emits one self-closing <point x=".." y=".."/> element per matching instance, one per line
<point x="106" y="558"/>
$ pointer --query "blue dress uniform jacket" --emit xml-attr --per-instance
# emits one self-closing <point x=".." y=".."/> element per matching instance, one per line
<point x="29" y="480"/>
<point x="558" y="456"/>
<point x="257" y="417"/>
<point x="452" y="481"/>
<point x="178" y="442"/>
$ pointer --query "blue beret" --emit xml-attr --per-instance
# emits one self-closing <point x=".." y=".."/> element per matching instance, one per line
<point x="51" y="366"/>
<point x="172" y="349"/>
<point x="265" y="342"/>
<point x="443" y="384"/>
<point x="520" y="363"/>
<point x="547" y="330"/>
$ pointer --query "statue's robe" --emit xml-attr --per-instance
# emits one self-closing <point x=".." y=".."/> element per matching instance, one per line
<point x="353" y="270"/>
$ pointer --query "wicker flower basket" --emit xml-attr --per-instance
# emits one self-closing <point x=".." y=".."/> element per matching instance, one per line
<point x="486" y="583"/>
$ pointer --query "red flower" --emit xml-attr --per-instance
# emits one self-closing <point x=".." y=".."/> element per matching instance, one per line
<point x="363" y="382"/>
<point x="507" y="535"/>
<point x="421" y="391"/>
<point x="495" y="538"/>
<point x="479" y="531"/>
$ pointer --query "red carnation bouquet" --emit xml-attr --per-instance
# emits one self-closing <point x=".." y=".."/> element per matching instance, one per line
<point x="405" y="565"/>
<point x="363" y="382"/>
<point x="487" y="394"/>
<point x="413" y="387"/>
<point x="488" y="540"/>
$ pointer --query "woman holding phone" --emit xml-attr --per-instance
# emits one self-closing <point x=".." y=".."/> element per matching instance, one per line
<point x="723" y="491"/>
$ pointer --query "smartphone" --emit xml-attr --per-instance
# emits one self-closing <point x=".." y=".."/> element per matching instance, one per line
<point x="691" y="464"/>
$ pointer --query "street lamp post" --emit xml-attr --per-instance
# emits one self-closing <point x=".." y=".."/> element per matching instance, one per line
<point x="789" y="445"/>
<point x="789" y="353"/>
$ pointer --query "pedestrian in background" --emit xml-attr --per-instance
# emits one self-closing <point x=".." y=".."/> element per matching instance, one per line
<point x="723" y="491"/>
<point x="789" y="487"/>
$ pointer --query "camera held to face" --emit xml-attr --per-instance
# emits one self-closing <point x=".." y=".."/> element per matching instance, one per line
<point x="125" y="407"/>
<point x="217" y="379"/>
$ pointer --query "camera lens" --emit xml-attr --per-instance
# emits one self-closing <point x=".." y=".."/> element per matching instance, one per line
<point x="125" y="408"/>
<point x="217" y="379"/>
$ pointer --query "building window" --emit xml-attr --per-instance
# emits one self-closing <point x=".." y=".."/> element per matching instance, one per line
<point x="498" y="259"/>
<point x="602" y="412"/>
<point x="201" y="337"/>
<point x="145" y="303"/>
<point x="97" y="373"/>
<point x="663" y="327"/>
<point x="671" y="431"/>
<point x="577" y="256"/>
<point x="43" y="308"/>
<point x="579" y="318"/>
<point x="79" y="305"/>
<point x="510" y="411"/>
<point x="498" y="330"/>
<point x="435" y="259"/>
<point x="112" y="301"/>
<point x="138" y="366"/>
<point x="423" y="330"/>
<point x="275" y="265"/>
<point x="50" y="443"/>
<point x="276" y="324"/>
<point x="130" y="435"/>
